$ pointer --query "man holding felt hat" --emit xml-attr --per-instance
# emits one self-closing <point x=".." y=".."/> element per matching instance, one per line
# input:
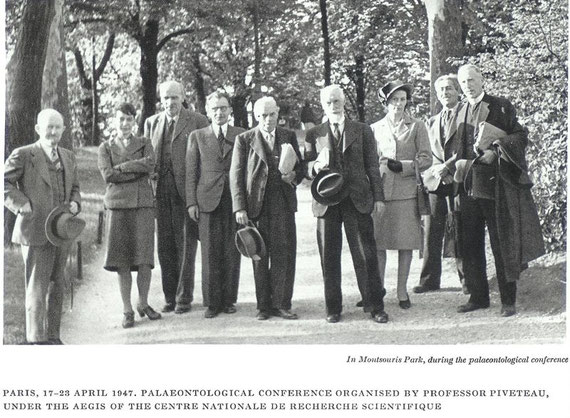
<point x="442" y="130"/>
<point x="341" y="146"/>
<point x="264" y="192"/>
<point x="502" y="200"/>
<point x="41" y="187"/>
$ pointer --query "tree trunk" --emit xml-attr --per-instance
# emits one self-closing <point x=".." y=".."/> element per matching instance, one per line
<point x="25" y="72"/>
<point x="445" y="40"/>
<point x="54" y="83"/>
<point x="360" y="87"/>
<point x="239" y="102"/>
<point x="326" y="40"/>
<point x="199" y="85"/>
<point x="149" y="69"/>
<point x="24" y="83"/>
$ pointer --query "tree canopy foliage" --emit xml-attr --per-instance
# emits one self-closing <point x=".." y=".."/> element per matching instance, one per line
<point x="254" y="47"/>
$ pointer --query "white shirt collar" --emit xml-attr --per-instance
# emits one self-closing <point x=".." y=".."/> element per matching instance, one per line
<point x="477" y="99"/>
<point x="216" y="129"/>
<point x="265" y="133"/>
<point x="47" y="149"/>
<point x="340" y="122"/>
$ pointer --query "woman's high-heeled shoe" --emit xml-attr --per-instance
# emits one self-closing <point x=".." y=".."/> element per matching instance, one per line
<point x="128" y="320"/>
<point x="148" y="311"/>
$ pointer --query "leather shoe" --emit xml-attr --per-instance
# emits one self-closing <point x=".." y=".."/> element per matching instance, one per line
<point x="168" y="307"/>
<point x="211" y="313"/>
<point x="359" y="304"/>
<point x="422" y="288"/>
<point x="469" y="307"/>
<point x="285" y="314"/>
<point x="262" y="315"/>
<point x="148" y="311"/>
<point x="55" y="341"/>
<point x="180" y="308"/>
<point x="230" y="309"/>
<point x="128" y="320"/>
<point x="405" y="304"/>
<point x="508" y="310"/>
<point x="333" y="318"/>
<point x="379" y="316"/>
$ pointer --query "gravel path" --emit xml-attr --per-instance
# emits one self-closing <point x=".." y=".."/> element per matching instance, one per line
<point x="96" y="317"/>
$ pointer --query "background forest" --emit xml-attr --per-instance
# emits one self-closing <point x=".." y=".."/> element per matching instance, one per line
<point x="109" y="51"/>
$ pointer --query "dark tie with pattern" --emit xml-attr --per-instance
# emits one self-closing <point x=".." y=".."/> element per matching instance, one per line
<point x="170" y="131"/>
<point x="54" y="157"/>
<point x="336" y="133"/>
<point x="221" y="140"/>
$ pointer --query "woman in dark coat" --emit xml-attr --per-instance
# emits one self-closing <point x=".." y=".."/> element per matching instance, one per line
<point x="126" y="162"/>
<point x="402" y="143"/>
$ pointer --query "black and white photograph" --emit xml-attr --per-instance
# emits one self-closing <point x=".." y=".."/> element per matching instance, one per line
<point x="285" y="208"/>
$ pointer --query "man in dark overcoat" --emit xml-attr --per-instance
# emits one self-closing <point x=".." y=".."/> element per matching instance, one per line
<point x="209" y="203"/>
<point x="177" y="234"/>
<point x="498" y="197"/>
<point x="265" y="195"/>
<point x="352" y="151"/>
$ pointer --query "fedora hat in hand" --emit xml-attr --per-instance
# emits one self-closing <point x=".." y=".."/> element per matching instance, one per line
<point x="389" y="88"/>
<point x="328" y="187"/>
<point x="62" y="226"/>
<point x="249" y="242"/>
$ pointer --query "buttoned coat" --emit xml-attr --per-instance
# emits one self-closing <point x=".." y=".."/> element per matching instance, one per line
<point x="360" y="159"/>
<point x="520" y="235"/>
<point x="154" y="129"/>
<point x="27" y="179"/>
<point x="411" y="144"/>
<point x="249" y="171"/>
<point x="208" y="166"/>
<point x="126" y="170"/>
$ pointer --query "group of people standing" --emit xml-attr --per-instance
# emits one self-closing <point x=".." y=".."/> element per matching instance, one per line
<point x="207" y="180"/>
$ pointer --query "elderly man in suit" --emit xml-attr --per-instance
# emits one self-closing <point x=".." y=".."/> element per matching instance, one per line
<point x="498" y="195"/>
<point x="38" y="178"/>
<point x="209" y="203"/>
<point x="352" y="151"/>
<point x="262" y="193"/>
<point x="442" y="129"/>
<point x="177" y="234"/>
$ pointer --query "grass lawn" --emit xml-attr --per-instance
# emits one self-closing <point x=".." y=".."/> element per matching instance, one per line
<point x="92" y="189"/>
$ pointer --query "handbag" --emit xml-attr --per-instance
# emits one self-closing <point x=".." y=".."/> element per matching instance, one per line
<point x="422" y="193"/>
<point x="451" y="233"/>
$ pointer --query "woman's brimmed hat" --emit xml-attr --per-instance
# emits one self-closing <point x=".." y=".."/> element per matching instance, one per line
<point x="386" y="91"/>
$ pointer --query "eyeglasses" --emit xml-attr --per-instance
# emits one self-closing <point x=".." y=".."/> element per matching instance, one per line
<point x="222" y="108"/>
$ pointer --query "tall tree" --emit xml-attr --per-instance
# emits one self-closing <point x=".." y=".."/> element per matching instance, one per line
<point x="54" y="83"/>
<point x="445" y="40"/>
<point x="326" y="42"/>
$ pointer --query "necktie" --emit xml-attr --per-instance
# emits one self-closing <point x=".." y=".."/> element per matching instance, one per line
<point x="170" y="131"/>
<point x="221" y="139"/>
<point x="336" y="133"/>
<point x="54" y="157"/>
<point x="270" y="141"/>
<point x="445" y="117"/>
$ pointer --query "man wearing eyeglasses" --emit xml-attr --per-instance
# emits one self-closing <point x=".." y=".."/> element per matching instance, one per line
<point x="209" y="203"/>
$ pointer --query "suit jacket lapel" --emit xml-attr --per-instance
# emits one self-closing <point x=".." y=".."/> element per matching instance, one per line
<point x="67" y="172"/>
<point x="180" y="124"/>
<point x="229" y="142"/>
<point x="323" y="140"/>
<point x="484" y="111"/>
<point x="158" y="136"/>
<point x="436" y="135"/>
<point x="257" y="145"/>
<point x="40" y="163"/>
<point x="350" y="134"/>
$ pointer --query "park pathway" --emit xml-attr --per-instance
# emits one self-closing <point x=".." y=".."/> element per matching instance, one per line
<point x="96" y="316"/>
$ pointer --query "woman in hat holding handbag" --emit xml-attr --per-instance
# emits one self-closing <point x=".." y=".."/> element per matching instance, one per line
<point x="404" y="149"/>
<point x="126" y="162"/>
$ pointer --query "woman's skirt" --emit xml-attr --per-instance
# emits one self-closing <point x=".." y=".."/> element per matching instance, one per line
<point x="130" y="238"/>
<point x="399" y="226"/>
